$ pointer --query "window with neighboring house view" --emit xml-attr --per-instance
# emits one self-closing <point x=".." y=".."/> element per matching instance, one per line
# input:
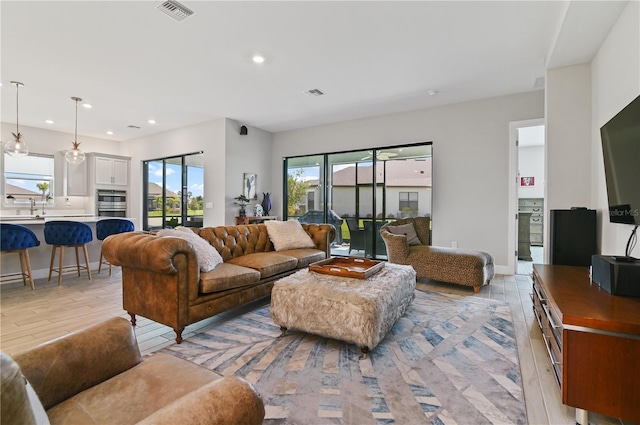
<point x="359" y="191"/>
<point x="408" y="201"/>
<point x="28" y="177"/>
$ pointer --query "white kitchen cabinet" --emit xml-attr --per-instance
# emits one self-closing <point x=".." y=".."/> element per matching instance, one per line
<point x="111" y="171"/>
<point x="76" y="183"/>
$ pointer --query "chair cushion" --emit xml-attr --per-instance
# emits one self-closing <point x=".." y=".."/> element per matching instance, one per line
<point x="16" y="236"/>
<point x="133" y="395"/>
<point x="267" y="263"/>
<point x="67" y="233"/>
<point x="288" y="235"/>
<point x="228" y="276"/>
<point x="305" y="256"/>
<point x="408" y="230"/>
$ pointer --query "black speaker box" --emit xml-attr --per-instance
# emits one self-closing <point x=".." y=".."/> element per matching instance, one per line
<point x="573" y="237"/>
<point x="616" y="277"/>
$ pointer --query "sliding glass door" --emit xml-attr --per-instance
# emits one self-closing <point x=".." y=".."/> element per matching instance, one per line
<point x="362" y="191"/>
<point x="173" y="190"/>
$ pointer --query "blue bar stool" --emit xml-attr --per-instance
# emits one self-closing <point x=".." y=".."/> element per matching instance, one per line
<point x="108" y="227"/>
<point x="17" y="238"/>
<point x="71" y="234"/>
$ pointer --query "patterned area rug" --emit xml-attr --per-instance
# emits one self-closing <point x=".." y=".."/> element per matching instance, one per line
<point x="448" y="360"/>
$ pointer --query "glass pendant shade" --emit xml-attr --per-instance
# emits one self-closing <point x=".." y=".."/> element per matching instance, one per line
<point x="16" y="147"/>
<point x="75" y="155"/>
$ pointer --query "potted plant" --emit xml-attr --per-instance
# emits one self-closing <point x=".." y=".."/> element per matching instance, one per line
<point x="242" y="201"/>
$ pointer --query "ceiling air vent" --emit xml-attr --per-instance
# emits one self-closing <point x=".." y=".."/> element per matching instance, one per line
<point x="313" y="93"/>
<point x="133" y="126"/>
<point x="175" y="10"/>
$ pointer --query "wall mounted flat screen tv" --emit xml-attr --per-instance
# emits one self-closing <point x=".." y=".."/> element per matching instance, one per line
<point x="621" y="149"/>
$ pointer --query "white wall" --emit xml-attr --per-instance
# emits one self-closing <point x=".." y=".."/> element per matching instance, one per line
<point x="227" y="155"/>
<point x="247" y="154"/>
<point x="207" y="137"/>
<point x="615" y="82"/>
<point x="470" y="168"/>
<point x="568" y="138"/>
<point x="531" y="164"/>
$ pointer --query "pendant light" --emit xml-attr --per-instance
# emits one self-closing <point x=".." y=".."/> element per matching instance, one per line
<point x="75" y="155"/>
<point x="16" y="147"/>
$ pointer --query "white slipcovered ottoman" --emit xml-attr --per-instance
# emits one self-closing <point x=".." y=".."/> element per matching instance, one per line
<point x="359" y="311"/>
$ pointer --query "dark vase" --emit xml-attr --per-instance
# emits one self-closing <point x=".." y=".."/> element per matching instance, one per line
<point x="266" y="203"/>
<point x="243" y="212"/>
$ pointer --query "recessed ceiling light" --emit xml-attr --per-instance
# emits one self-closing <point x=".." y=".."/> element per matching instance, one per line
<point x="87" y="105"/>
<point x="49" y="121"/>
<point x="151" y="121"/>
<point x="258" y="59"/>
<point x="110" y="133"/>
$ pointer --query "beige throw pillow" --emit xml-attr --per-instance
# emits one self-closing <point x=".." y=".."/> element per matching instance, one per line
<point x="408" y="230"/>
<point x="288" y="235"/>
<point x="208" y="256"/>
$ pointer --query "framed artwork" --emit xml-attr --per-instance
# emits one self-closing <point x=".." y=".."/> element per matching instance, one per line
<point x="527" y="181"/>
<point x="249" y="182"/>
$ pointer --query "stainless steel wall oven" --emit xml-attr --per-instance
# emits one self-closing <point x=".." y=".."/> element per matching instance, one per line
<point x="111" y="203"/>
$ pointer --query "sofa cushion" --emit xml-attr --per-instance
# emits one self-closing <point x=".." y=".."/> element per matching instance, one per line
<point x="208" y="256"/>
<point x="408" y="230"/>
<point x="305" y="256"/>
<point x="227" y="276"/>
<point x="288" y="235"/>
<point x="267" y="263"/>
<point x="133" y="395"/>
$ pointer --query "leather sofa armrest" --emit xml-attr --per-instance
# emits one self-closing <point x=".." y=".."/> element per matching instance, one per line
<point x="322" y="235"/>
<point x="139" y="250"/>
<point x="64" y="367"/>
<point x="230" y="400"/>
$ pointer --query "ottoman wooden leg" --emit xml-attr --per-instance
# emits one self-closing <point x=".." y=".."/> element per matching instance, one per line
<point x="365" y="351"/>
<point x="283" y="329"/>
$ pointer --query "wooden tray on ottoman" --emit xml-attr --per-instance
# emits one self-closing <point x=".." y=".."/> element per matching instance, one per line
<point x="359" y="268"/>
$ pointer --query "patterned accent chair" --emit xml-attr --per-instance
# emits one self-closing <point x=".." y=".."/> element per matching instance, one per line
<point x="17" y="238"/>
<point x="451" y="265"/>
<point x="108" y="227"/>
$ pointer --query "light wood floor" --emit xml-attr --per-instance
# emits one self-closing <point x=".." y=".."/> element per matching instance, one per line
<point x="29" y="318"/>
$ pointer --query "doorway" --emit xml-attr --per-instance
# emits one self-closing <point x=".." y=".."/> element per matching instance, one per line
<point x="530" y="195"/>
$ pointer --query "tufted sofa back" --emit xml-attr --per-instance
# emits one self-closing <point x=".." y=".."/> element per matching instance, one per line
<point x="235" y="241"/>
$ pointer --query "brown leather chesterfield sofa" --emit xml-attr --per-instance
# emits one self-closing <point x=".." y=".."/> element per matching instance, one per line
<point x="161" y="278"/>
<point x="465" y="267"/>
<point x="97" y="376"/>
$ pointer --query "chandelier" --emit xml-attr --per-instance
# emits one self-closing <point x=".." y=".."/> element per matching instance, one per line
<point x="75" y="155"/>
<point x="16" y="147"/>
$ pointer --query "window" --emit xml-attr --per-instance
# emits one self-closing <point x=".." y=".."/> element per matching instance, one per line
<point x="408" y="201"/>
<point x="28" y="177"/>
<point x="174" y="190"/>
<point x="359" y="191"/>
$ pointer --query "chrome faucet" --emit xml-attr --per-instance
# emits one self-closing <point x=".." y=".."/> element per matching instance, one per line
<point x="32" y="206"/>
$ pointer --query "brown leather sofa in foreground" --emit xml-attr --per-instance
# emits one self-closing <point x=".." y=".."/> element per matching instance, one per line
<point x="97" y="376"/>
<point x="465" y="267"/>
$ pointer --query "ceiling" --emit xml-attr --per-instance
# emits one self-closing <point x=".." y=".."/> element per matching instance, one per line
<point x="133" y="63"/>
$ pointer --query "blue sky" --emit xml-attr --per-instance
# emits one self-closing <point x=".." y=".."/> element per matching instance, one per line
<point x="195" y="178"/>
